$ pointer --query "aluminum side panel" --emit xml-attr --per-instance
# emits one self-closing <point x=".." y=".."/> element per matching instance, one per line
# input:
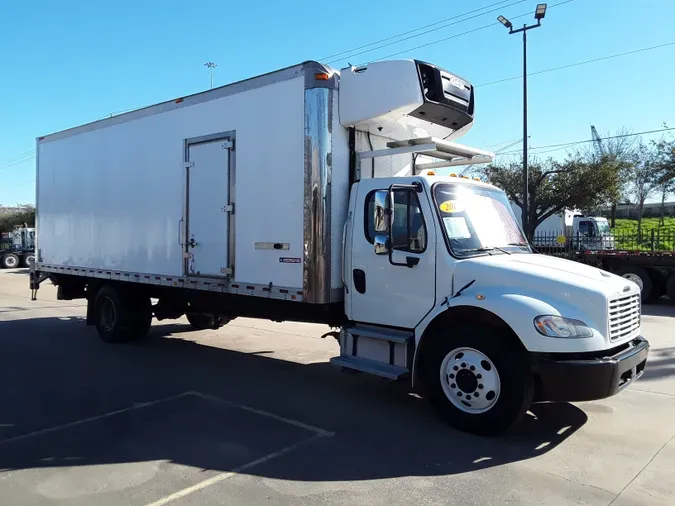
<point x="112" y="197"/>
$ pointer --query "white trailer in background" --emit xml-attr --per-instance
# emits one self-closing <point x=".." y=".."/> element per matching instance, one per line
<point x="570" y="228"/>
<point x="296" y="195"/>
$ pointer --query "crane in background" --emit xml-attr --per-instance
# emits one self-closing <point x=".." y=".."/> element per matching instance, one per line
<point x="597" y="142"/>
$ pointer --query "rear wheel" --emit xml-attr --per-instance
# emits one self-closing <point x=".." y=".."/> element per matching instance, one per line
<point x="10" y="261"/>
<point x="670" y="286"/>
<point x="121" y="315"/>
<point x="478" y="380"/>
<point x="640" y="277"/>
<point x="28" y="260"/>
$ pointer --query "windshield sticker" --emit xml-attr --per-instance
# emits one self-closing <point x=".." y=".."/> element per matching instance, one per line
<point x="450" y="206"/>
<point x="456" y="228"/>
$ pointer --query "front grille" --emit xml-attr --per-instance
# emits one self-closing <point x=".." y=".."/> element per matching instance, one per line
<point x="624" y="317"/>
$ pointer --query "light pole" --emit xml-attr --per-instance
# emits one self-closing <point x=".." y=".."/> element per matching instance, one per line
<point x="210" y="65"/>
<point x="539" y="14"/>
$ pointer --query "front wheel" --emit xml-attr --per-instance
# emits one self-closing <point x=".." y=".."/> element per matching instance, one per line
<point x="479" y="379"/>
<point x="10" y="261"/>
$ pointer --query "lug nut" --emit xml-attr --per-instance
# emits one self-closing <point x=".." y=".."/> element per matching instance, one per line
<point x="472" y="368"/>
<point x="453" y="386"/>
<point x="451" y="376"/>
<point x="480" y="386"/>
<point x="463" y="364"/>
<point x="479" y="376"/>
<point x="455" y="368"/>
<point x="475" y="394"/>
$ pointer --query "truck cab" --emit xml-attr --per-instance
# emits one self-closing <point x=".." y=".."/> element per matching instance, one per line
<point x="441" y="283"/>
<point x="592" y="233"/>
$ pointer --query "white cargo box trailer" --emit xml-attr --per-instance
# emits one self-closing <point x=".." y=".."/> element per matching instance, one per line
<point x="308" y="194"/>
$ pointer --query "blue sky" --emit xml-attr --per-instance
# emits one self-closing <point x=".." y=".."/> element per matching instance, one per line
<point x="70" y="62"/>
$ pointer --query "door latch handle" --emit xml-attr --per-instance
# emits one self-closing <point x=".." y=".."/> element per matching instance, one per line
<point x="191" y="243"/>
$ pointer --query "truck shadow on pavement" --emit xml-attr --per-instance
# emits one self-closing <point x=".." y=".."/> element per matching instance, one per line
<point x="660" y="364"/>
<point x="67" y="400"/>
<point x="660" y="307"/>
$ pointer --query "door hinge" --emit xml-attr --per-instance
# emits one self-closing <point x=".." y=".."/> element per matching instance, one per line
<point x="229" y="208"/>
<point x="228" y="145"/>
<point x="189" y="165"/>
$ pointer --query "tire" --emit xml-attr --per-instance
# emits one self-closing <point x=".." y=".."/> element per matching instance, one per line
<point x="10" y="261"/>
<point x="201" y="321"/>
<point x="28" y="260"/>
<point x="121" y="316"/>
<point x="452" y="365"/>
<point x="670" y="286"/>
<point x="639" y="276"/>
<point x="658" y="283"/>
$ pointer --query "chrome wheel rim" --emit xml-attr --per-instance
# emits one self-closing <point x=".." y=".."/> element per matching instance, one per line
<point x="11" y="262"/>
<point x="635" y="279"/>
<point x="470" y="380"/>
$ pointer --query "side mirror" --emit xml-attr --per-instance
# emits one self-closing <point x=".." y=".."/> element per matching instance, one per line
<point x="381" y="218"/>
<point x="381" y="244"/>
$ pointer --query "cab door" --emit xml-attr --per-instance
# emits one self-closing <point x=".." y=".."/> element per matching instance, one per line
<point x="396" y="290"/>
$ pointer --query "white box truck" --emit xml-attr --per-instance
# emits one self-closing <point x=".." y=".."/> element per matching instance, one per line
<point x="305" y="194"/>
<point x="571" y="229"/>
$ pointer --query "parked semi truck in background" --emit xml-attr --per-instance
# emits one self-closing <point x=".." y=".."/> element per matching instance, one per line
<point x="17" y="248"/>
<point x="572" y="229"/>
<point x="299" y="196"/>
<point x="646" y="258"/>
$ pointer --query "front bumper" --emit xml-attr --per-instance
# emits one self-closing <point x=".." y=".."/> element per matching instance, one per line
<point x="588" y="376"/>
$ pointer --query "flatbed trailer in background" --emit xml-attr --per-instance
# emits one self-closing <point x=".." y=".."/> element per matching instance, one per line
<point x="648" y="259"/>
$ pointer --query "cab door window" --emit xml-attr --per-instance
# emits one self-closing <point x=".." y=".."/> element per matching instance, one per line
<point x="408" y="229"/>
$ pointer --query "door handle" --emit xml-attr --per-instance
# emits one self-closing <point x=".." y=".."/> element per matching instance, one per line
<point x="180" y="232"/>
<point x="359" y="277"/>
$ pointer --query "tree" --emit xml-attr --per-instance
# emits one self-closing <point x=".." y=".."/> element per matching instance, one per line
<point x="665" y="160"/>
<point x="20" y="215"/>
<point x="577" y="182"/>
<point x="644" y="177"/>
<point x="617" y="153"/>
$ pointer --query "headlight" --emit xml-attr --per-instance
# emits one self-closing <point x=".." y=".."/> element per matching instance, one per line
<point x="557" y="326"/>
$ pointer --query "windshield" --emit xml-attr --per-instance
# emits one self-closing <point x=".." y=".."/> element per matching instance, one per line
<point x="477" y="220"/>
<point x="603" y="228"/>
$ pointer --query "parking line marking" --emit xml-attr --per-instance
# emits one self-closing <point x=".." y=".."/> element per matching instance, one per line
<point x="134" y="406"/>
<point x="140" y="405"/>
<point x="229" y="474"/>
<point x="311" y="428"/>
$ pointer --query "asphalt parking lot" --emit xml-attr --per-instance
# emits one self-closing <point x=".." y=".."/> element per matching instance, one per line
<point x="254" y="414"/>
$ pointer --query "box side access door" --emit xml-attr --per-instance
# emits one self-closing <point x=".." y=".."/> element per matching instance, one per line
<point x="209" y="207"/>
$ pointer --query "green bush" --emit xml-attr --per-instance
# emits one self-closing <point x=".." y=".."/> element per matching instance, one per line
<point x="662" y="237"/>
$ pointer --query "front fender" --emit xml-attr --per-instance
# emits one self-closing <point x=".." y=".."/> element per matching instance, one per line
<point x="518" y="312"/>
